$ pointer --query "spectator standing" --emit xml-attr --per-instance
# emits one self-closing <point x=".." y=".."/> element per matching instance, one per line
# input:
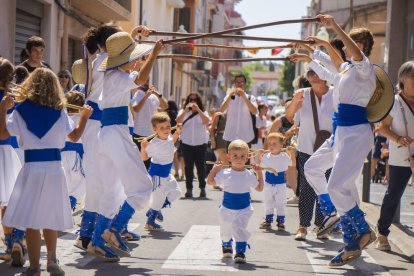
<point x="35" y="48"/>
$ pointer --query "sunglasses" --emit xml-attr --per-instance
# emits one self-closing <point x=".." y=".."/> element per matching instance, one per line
<point x="192" y="99"/>
<point x="63" y="77"/>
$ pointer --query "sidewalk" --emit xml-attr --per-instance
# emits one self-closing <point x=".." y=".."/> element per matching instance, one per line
<point x="402" y="234"/>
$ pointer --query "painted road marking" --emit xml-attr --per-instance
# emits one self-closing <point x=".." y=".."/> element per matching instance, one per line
<point x="200" y="249"/>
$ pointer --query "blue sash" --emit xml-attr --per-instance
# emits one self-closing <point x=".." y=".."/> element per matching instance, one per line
<point x="160" y="170"/>
<point x="97" y="112"/>
<point x="236" y="201"/>
<point x="78" y="147"/>
<point x="349" y="115"/>
<point x="42" y="155"/>
<point x="274" y="179"/>
<point x="115" y="116"/>
<point x="12" y="141"/>
<point x="39" y="118"/>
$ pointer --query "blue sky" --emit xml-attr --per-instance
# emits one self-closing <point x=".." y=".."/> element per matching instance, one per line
<point x="261" y="11"/>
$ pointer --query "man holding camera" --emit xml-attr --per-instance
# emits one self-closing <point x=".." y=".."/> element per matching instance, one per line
<point x="240" y="107"/>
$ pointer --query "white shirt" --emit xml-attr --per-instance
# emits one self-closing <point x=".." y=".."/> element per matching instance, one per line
<point x="279" y="162"/>
<point x="142" y="118"/>
<point x="237" y="182"/>
<point x="399" y="155"/>
<point x="304" y="117"/>
<point x="74" y="121"/>
<point x="193" y="132"/>
<point x="161" y="151"/>
<point x="97" y="78"/>
<point x="54" y="138"/>
<point x="117" y="88"/>
<point x="239" y="122"/>
<point x="261" y="123"/>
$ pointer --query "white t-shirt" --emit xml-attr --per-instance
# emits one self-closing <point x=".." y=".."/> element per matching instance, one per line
<point x="279" y="162"/>
<point x="74" y="121"/>
<point x="54" y="138"/>
<point x="304" y="117"/>
<point x="161" y="151"/>
<point x="117" y="88"/>
<point x="193" y="132"/>
<point x="237" y="182"/>
<point x="398" y="156"/>
<point x="142" y="119"/>
<point x="97" y="78"/>
<point x="239" y="121"/>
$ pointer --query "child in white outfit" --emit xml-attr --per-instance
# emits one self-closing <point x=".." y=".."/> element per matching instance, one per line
<point x="161" y="150"/>
<point x="275" y="184"/>
<point x="235" y="210"/>
<point x="40" y="197"/>
<point x="72" y="154"/>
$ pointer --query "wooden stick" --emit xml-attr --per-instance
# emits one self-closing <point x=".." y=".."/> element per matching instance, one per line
<point x="175" y="56"/>
<point x="219" y="45"/>
<point x="77" y="107"/>
<point x="236" y="37"/>
<point x="245" y="166"/>
<point x="140" y="139"/>
<point x="244" y="28"/>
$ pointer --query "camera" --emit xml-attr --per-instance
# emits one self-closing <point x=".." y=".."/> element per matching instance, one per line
<point x="233" y="97"/>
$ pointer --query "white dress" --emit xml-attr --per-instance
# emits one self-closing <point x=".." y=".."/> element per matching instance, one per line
<point x="10" y="167"/>
<point x="40" y="197"/>
<point x="73" y="165"/>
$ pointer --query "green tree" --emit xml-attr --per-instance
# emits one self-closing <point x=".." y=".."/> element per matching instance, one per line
<point x="288" y="77"/>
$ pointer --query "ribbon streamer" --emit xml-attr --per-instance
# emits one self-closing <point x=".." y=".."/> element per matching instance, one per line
<point x="239" y="29"/>
<point x="220" y="60"/>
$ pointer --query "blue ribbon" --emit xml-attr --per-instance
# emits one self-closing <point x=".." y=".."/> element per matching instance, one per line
<point x="97" y="112"/>
<point x="274" y="179"/>
<point x="160" y="170"/>
<point x="115" y="116"/>
<point x="12" y="141"/>
<point x="236" y="201"/>
<point x="349" y="115"/>
<point x="42" y="155"/>
<point x="39" y="118"/>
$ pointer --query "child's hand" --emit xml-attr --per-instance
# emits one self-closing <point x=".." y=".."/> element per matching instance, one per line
<point x="7" y="103"/>
<point x="86" y="112"/>
<point x="257" y="168"/>
<point x="144" y="144"/>
<point x="141" y="30"/>
<point x="158" y="47"/>
<point x="219" y="166"/>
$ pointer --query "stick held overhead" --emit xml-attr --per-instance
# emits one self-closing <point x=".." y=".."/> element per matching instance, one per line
<point x="220" y="60"/>
<point x="239" y="29"/>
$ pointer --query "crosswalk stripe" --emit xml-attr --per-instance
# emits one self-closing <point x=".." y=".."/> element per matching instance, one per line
<point x="315" y="253"/>
<point x="200" y="249"/>
<point x="68" y="254"/>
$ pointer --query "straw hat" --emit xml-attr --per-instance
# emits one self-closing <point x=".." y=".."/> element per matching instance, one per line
<point x="122" y="48"/>
<point x="382" y="100"/>
<point x="81" y="73"/>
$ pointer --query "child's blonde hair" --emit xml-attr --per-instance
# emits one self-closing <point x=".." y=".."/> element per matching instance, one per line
<point x="275" y="135"/>
<point x="75" y="98"/>
<point x="238" y="145"/>
<point x="159" y="117"/>
<point x="42" y="87"/>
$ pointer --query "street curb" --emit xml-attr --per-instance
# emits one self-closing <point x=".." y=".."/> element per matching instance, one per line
<point x="398" y="237"/>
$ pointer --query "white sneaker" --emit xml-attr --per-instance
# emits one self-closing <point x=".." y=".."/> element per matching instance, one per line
<point x="293" y="200"/>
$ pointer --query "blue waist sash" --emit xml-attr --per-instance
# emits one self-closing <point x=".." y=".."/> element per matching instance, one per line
<point x="78" y="147"/>
<point x="115" y="116"/>
<point x="160" y="170"/>
<point x="42" y="155"/>
<point x="274" y="179"/>
<point x="236" y="201"/>
<point x="12" y="141"/>
<point x="349" y="115"/>
<point x="97" y="112"/>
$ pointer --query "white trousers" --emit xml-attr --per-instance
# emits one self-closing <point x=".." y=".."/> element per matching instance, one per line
<point x="233" y="223"/>
<point x="275" y="198"/>
<point x="164" y="187"/>
<point x="347" y="156"/>
<point x="73" y="173"/>
<point x="122" y="172"/>
<point x="90" y="165"/>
